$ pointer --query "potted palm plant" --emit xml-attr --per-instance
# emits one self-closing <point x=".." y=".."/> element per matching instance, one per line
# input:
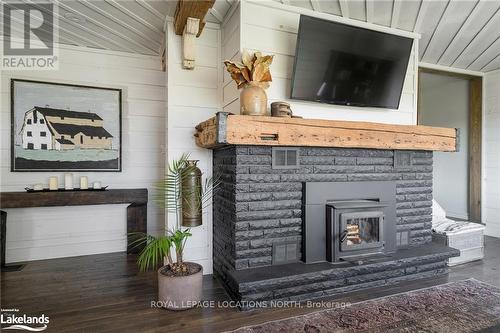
<point x="181" y="192"/>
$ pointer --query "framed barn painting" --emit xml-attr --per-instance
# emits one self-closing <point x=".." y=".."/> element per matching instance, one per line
<point x="63" y="127"/>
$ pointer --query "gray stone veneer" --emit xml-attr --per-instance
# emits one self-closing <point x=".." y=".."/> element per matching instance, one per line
<point x="256" y="206"/>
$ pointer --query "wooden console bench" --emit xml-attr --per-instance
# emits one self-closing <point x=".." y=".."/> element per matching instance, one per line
<point x="136" y="211"/>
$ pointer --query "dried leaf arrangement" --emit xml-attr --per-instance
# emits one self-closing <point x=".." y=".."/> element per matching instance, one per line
<point x="254" y="70"/>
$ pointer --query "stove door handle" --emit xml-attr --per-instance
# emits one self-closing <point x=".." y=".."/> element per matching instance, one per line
<point x="343" y="236"/>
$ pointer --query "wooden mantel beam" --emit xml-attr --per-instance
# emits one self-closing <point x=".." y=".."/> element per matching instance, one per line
<point x="196" y="9"/>
<point x="227" y="129"/>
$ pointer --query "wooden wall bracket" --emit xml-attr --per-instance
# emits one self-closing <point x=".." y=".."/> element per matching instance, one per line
<point x="188" y="42"/>
<point x="189" y="22"/>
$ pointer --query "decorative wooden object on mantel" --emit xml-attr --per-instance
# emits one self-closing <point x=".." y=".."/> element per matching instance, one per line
<point x="229" y="129"/>
<point x="136" y="211"/>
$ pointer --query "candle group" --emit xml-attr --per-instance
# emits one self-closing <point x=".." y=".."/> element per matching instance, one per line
<point x="68" y="183"/>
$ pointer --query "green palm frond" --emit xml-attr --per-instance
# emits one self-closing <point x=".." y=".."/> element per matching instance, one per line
<point x="137" y="240"/>
<point x="168" y="190"/>
<point x="154" y="252"/>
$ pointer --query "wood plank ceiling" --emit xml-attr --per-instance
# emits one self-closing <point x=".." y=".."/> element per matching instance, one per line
<point x="121" y="25"/>
<point x="458" y="33"/>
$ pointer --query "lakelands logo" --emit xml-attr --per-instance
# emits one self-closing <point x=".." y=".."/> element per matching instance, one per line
<point x="29" y="33"/>
<point x="10" y="319"/>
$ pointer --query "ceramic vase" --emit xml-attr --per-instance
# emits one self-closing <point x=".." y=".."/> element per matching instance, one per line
<point x="253" y="101"/>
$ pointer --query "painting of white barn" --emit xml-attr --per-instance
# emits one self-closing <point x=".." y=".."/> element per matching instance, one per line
<point x="47" y="128"/>
<point x="65" y="127"/>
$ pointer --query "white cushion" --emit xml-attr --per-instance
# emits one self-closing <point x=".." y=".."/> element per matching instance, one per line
<point x="449" y="227"/>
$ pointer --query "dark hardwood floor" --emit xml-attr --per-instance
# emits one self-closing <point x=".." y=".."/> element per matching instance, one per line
<point x="105" y="293"/>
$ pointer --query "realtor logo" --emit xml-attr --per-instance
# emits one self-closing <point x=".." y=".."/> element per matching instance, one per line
<point x="12" y="319"/>
<point x="29" y="35"/>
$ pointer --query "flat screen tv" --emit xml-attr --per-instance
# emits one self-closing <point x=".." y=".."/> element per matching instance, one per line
<point x="346" y="65"/>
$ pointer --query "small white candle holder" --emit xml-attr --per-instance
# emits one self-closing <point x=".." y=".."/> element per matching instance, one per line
<point x="53" y="184"/>
<point x="68" y="181"/>
<point x="84" y="183"/>
<point x="97" y="185"/>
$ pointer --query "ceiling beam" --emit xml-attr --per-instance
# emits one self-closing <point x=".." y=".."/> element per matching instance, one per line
<point x="196" y="9"/>
<point x="344" y="8"/>
<point x="396" y="9"/>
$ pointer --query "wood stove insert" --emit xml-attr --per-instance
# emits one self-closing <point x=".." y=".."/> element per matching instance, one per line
<point x="353" y="228"/>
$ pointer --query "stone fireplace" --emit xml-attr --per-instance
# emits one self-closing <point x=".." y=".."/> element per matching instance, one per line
<point x="311" y="208"/>
<point x="332" y="220"/>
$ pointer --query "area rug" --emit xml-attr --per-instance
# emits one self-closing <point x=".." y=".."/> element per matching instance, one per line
<point x="456" y="307"/>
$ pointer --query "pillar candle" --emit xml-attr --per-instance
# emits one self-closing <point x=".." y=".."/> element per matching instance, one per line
<point x="84" y="183"/>
<point x="68" y="181"/>
<point x="53" y="183"/>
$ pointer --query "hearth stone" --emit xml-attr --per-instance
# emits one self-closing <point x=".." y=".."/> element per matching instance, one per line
<point x="299" y="282"/>
<point x="257" y="206"/>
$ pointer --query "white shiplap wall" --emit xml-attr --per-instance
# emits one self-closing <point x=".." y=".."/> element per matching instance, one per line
<point x="193" y="97"/>
<point x="492" y="153"/>
<point x="274" y="31"/>
<point x="39" y="233"/>
<point x="231" y="38"/>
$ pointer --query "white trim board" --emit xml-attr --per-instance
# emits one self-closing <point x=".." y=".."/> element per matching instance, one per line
<point x="335" y="18"/>
<point x="450" y="69"/>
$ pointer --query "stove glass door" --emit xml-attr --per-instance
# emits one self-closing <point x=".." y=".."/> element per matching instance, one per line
<point x="361" y="230"/>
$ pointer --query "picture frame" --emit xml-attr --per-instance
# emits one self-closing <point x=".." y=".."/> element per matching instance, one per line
<point x="65" y="127"/>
